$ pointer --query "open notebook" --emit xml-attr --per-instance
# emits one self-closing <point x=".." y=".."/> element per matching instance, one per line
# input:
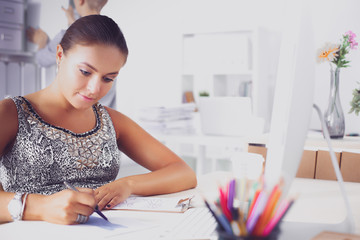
<point x="155" y="204"/>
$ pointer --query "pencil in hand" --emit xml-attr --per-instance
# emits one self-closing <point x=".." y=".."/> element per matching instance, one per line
<point x="69" y="186"/>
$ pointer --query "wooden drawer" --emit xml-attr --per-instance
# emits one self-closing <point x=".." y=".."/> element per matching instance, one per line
<point x="350" y="166"/>
<point x="324" y="168"/>
<point x="307" y="165"/>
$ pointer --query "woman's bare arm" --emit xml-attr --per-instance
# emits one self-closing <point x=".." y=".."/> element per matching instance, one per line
<point x="169" y="173"/>
<point x="8" y="124"/>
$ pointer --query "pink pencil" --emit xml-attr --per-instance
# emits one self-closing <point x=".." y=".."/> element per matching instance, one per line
<point x="280" y="213"/>
<point x="256" y="212"/>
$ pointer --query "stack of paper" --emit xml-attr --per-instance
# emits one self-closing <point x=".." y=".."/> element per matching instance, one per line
<point x="168" y="120"/>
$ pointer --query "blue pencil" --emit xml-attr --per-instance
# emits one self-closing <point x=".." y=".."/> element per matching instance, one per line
<point x="220" y="219"/>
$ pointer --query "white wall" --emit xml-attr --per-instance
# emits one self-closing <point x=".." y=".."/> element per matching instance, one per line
<point x="154" y="32"/>
<point x="47" y="15"/>
<point x="156" y="63"/>
<point x="332" y="19"/>
<point x="154" y="28"/>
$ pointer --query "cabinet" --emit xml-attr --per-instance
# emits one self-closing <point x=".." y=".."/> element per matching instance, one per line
<point x="316" y="162"/>
<point x="12" y="25"/>
<point x="307" y="164"/>
<point x="324" y="167"/>
<point x="350" y="165"/>
<point x="19" y="74"/>
<point x="233" y="63"/>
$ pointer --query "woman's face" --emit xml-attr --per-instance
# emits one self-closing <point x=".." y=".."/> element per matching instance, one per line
<point x="86" y="73"/>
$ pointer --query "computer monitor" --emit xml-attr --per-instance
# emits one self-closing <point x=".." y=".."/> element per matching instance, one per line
<point x="292" y="109"/>
<point x="293" y="97"/>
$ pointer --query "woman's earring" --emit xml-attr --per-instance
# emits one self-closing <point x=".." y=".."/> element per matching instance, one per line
<point x="57" y="67"/>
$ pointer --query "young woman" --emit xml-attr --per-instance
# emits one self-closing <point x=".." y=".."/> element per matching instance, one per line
<point x="62" y="133"/>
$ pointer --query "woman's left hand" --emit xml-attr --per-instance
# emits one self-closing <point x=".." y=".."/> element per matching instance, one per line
<point x="113" y="193"/>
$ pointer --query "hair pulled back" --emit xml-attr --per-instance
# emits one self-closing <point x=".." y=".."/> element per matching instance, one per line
<point x="94" y="29"/>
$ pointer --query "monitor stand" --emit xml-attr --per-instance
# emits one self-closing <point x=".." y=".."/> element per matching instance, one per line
<point x="307" y="230"/>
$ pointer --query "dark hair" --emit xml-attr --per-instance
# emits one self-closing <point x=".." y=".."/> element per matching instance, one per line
<point x="94" y="29"/>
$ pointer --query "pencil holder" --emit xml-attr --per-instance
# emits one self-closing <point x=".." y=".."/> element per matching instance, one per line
<point x="275" y="233"/>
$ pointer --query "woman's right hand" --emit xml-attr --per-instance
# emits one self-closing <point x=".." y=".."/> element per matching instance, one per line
<point x="69" y="13"/>
<point x="63" y="207"/>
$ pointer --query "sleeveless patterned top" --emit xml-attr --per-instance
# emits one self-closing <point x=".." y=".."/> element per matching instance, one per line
<point x="44" y="156"/>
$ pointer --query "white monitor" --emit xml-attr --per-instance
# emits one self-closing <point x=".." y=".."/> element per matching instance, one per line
<point x="293" y="105"/>
<point x="229" y="116"/>
<point x="293" y="95"/>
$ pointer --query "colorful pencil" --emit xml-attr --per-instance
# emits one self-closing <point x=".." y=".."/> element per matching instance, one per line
<point x="275" y="221"/>
<point x="256" y="211"/>
<point x="254" y="200"/>
<point x="264" y="210"/>
<point x="221" y="223"/>
<point x="223" y="204"/>
<point x="266" y="214"/>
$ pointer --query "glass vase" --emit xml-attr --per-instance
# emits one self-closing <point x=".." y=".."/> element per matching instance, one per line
<point x="334" y="115"/>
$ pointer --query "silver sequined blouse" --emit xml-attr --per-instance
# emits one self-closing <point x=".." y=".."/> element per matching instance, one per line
<point x="44" y="156"/>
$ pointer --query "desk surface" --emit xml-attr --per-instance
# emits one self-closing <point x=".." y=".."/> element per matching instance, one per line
<point x="315" y="140"/>
<point x="319" y="201"/>
<point x="201" y="139"/>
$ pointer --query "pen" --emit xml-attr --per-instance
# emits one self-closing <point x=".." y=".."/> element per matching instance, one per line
<point x="69" y="186"/>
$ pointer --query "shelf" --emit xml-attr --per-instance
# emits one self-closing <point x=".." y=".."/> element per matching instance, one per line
<point x="232" y="63"/>
<point x="16" y="56"/>
<point x="218" y="52"/>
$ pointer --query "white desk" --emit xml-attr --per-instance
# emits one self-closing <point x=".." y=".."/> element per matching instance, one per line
<point x="205" y="145"/>
<point x="319" y="201"/>
<point x="315" y="141"/>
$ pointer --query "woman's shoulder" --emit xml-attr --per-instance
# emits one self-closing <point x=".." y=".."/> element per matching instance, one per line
<point x="121" y="122"/>
<point x="8" y="112"/>
<point x="8" y="108"/>
<point x="8" y="121"/>
<point x="116" y="116"/>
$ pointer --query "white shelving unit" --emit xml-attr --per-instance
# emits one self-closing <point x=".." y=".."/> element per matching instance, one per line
<point x="241" y="63"/>
<point x="232" y="63"/>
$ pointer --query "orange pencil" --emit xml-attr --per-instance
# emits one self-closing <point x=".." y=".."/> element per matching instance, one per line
<point x="266" y="215"/>
<point x="276" y="201"/>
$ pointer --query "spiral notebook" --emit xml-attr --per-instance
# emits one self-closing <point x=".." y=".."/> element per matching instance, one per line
<point x="155" y="204"/>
